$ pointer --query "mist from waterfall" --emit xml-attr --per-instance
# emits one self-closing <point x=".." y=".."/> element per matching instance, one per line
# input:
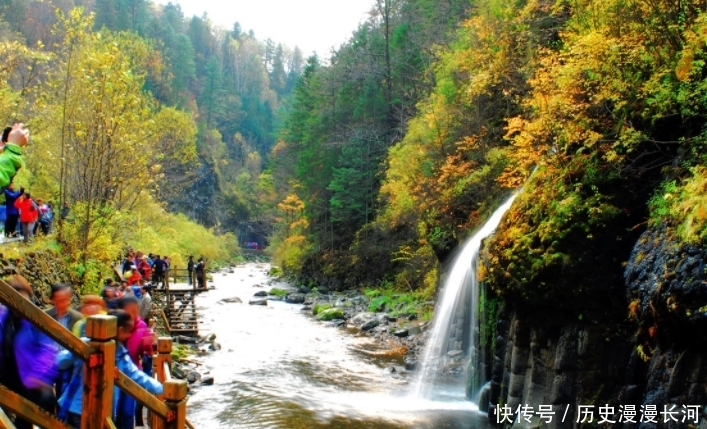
<point x="453" y="338"/>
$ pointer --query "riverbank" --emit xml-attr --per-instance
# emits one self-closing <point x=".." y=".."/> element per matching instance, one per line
<point x="280" y="367"/>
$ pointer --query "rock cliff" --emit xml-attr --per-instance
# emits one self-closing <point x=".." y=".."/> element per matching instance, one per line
<point x="655" y="354"/>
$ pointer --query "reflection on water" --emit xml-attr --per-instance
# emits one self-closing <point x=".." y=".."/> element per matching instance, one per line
<point x="280" y="369"/>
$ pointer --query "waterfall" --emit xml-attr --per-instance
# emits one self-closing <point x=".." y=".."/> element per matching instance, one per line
<point x="452" y="344"/>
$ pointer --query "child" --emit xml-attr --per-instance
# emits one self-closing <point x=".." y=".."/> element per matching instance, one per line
<point x="71" y="401"/>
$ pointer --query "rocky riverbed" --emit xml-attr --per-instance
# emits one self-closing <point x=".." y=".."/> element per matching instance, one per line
<point x="275" y="364"/>
<point x="399" y="338"/>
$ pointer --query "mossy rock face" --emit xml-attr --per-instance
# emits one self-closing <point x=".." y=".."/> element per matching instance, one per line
<point x="42" y="269"/>
<point x="331" y="314"/>
<point x="667" y="284"/>
<point x="565" y="239"/>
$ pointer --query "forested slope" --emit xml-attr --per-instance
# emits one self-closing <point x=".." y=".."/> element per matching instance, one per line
<point x="385" y="166"/>
<point x="595" y="112"/>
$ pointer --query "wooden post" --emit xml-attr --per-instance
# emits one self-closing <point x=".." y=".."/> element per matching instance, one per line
<point x="175" y="394"/>
<point x="164" y="354"/>
<point x="99" y="372"/>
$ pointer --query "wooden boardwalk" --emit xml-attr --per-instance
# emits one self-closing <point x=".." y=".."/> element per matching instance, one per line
<point x="178" y="311"/>
<point x="173" y="304"/>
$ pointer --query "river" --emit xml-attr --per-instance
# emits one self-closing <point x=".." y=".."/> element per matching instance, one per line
<point x="280" y="368"/>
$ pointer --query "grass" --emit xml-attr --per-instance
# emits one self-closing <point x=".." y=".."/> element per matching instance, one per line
<point x="398" y="303"/>
<point x="276" y="272"/>
<point x="180" y="351"/>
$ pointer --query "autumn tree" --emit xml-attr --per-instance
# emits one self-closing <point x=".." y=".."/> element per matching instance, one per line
<point x="116" y="139"/>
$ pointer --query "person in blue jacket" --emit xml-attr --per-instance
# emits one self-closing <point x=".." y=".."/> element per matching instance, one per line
<point x="71" y="401"/>
<point x="13" y="214"/>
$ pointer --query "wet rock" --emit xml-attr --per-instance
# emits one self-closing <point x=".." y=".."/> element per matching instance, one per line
<point x="193" y="377"/>
<point x="359" y="299"/>
<point x="260" y="293"/>
<point x="336" y="323"/>
<point x="370" y="325"/>
<point x="181" y="339"/>
<point x="207" y="381"/>
<point x="410" y="364"/>
<point x="214" y="346"/>
<point x="295" y="298"/>
<point x="401" y="333"/>
<point x="485" y="398"/>
<point x="261" y="301"/>
<point x="414" y="330"/>
<point x="362" y="318"/>
<point x="455" y="353"/>
<point x="177" y="372"/>
<point x="307" y="308"/>
<point x="233" y="300"/>
<point x="396" y="370"/>
<point x="304" y="290"/>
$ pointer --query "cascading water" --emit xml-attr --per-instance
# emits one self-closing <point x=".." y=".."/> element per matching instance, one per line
<point x="451" y="346"/>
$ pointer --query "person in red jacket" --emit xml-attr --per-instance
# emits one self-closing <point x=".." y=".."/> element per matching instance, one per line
<point x="28" y="215"/>
<point x="134" y="278"/>
<point x="145" y="269"/>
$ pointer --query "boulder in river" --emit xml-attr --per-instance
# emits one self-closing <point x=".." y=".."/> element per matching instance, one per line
<point x="410" y="364"/>
<point x="361" y="318"/>
<point x="181" y="339"/>
<point x="370" y="325"/>
<point x="193" y="377"/>
<point x="259" y="301"/>
<point x="331" y="314"/>
<point x="401" y="333"/>
<point x="304" y="289"/>
<point x="207" y="381"/>
<point x="232" y="300"/>
<point x="260" y="293"/>
<point x="295" y="298"/>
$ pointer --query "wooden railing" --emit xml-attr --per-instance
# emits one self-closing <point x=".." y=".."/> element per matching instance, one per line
<point x="100" y="374"/>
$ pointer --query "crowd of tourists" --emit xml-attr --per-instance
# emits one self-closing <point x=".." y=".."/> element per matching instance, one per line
<point x="54" y="380"/>
<point x="24" y="216"/>
<point x="21" y="214"/>
<point x="35" y="366"/>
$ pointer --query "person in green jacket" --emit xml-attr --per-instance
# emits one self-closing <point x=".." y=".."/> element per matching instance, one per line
<point x="11" y="156"/>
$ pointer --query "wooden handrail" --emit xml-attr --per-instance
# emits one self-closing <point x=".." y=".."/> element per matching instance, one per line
<point x="98" y="386"/>
<point x="165" y="320"/>
<point x="141" y="395"/>
<point x="42" y="321"/>
<point x="28" y="410"/>
<point x="167" y="371"/>
<point x="109" y="424"/>
<point x="5" y="422"/>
